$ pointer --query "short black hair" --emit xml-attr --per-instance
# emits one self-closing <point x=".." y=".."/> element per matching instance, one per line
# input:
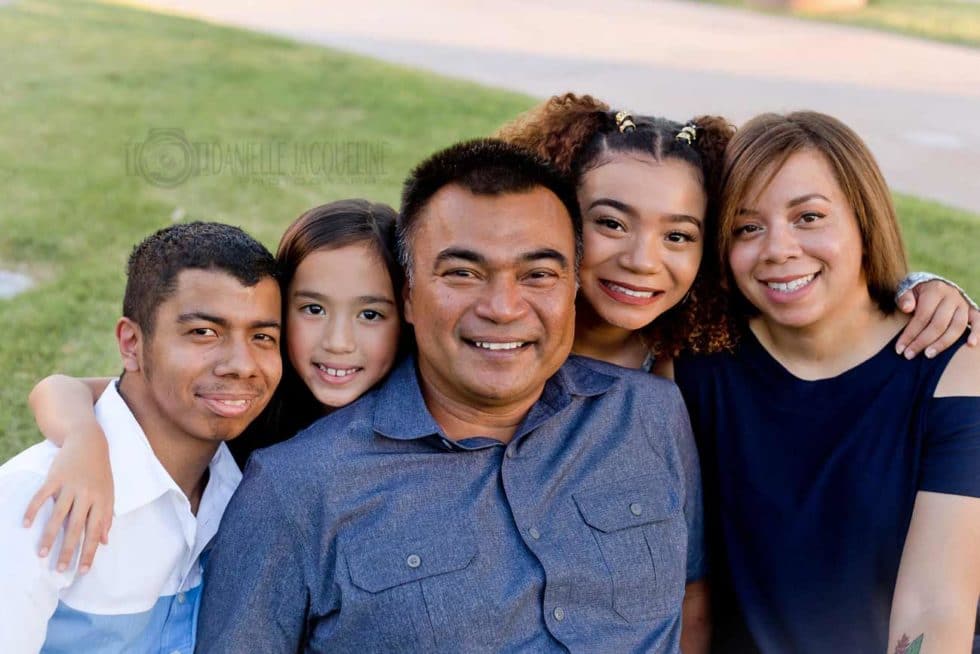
<point x="154" y="264"/>
<point x="483" y="167"/>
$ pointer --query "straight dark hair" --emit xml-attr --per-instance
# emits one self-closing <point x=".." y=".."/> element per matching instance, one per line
<point x="482" y="167"/>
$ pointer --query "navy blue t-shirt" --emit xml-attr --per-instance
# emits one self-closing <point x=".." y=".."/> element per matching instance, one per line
<point x="809" y="488"/>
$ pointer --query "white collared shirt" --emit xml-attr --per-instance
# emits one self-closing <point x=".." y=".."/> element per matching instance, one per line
<point x="143" y="590"/>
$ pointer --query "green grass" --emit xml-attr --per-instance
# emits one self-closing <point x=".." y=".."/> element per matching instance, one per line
<point x="941" y="239"/>
<point x="952" y="21"/>
<point x="81" y="83"/>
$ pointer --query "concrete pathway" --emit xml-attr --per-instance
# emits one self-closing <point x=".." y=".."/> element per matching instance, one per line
<point x="917" y="103"/>
<point x="13" y="283"/>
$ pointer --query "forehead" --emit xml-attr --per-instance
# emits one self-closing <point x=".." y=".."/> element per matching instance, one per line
<point x="668" y="186"/>
<point x="349" y="271"/>
<point x="221" y="295"/>
<point x="499" y="226"/>
<point x="803" y="172"/>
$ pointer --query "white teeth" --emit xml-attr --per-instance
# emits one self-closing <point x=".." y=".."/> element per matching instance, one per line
<point x="337" y="372"/>
<point x="234" y="403"/>
<point x="498" y="346"/>
<point x="794" y="285"/>
<point x="629" y="291"/>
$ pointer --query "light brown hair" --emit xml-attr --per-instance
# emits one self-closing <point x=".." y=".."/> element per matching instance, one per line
<point x="762" y="146"/>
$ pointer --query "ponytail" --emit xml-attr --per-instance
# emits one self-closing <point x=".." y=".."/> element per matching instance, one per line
<point x="559" y="128"/>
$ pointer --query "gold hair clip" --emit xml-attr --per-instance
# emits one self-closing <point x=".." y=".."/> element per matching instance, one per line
<point x="688" y="133"/>
<point x="624" y="121"/>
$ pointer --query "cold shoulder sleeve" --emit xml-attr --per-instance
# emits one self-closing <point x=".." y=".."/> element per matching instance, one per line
<point x="951" y="450"/>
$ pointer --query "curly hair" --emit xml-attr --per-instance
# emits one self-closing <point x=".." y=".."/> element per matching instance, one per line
<point x="578" y="133"/>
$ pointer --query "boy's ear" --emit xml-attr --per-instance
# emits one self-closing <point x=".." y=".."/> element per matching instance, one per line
<point x="129" y="336"/>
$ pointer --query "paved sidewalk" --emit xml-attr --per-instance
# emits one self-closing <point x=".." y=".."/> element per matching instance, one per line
<point x="916" y="102"/>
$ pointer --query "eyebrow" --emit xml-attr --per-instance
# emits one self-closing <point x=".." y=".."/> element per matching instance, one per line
<point x="528" y="257"/>
<point x="792" y="203"/>
<point x="461" y="253"/>
<point x="361" y="299"/>
<point x="615" y="204"/>
<point x="627" y="209"/>
<point x="806" y="198"/>
<point x="199" y="316"/>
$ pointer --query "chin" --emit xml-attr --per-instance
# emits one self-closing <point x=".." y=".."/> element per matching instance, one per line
<point x="794" y="319"/>
<point x="629" y="320"/>
<point x="336" y="402"/>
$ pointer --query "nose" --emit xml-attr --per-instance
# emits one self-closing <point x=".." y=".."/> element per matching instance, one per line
<point x="642" y="255"/>
<point x="502" y="301"/>
<point x="780" y="243"/>
<point x="338" y="335"/>
<point x="238" y="360"/>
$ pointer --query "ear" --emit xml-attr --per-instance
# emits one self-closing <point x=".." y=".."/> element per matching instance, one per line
<point x="407" y="302"/>
<point x="129" y="336"/>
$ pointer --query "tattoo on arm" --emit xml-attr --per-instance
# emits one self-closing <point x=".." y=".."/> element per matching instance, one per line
<point x="905" y="647"/>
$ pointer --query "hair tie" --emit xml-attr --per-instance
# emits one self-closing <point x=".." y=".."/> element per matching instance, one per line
<point x="624" y="121"/>
<point x="688" y="133"/>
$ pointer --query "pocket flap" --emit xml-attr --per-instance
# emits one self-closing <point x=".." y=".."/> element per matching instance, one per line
<point x="377" y="564"/>
<point x="628" y="503"/>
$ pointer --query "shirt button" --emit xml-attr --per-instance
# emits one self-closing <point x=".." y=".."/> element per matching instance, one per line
<point x="181" y="598"/>
<point x="510" y="453"/>
<point x="413" y="561"/>
<point x="535" y="534"/>
<point x="559" y="614"/>
<point x="636" y="508"/>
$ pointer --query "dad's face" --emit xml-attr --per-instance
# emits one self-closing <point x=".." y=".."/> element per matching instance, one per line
<point x="212" y="361"/>
<point x="493" y="295"/>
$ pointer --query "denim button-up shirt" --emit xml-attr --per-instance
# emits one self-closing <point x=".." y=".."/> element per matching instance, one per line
<point x="373" y="532"/>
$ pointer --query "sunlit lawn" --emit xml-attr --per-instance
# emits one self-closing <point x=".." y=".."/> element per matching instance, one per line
<point x="954" y="21"/>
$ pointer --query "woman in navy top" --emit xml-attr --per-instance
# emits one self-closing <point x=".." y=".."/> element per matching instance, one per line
<point x="843" y="480"/>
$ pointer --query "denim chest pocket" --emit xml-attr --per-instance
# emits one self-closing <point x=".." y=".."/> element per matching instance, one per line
<point x="417" y="593"/>
<point x="639" y="528"/>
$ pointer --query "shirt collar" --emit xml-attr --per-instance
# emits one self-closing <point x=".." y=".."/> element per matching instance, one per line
<point x="138" y="475"/>
<point x="400" y="412"/>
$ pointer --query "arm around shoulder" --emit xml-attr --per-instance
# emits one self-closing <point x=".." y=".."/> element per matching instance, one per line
<point x="80" y="479"/>
<point x="62" y="405"/>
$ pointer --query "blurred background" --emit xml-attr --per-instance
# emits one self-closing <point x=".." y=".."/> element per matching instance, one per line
<point x="122" y="118"/>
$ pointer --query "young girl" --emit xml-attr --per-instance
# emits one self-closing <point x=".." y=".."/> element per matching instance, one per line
<point x="842" y="482"/>
<point x="339" y="276"/>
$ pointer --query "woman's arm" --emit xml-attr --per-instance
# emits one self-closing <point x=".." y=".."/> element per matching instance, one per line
<point x="80" y="480"/>
<point x="939" y="577"/>
<point x="942" y="313"/>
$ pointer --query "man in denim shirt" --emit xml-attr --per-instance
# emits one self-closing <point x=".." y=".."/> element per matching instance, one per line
<point x="490" y="495"/>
